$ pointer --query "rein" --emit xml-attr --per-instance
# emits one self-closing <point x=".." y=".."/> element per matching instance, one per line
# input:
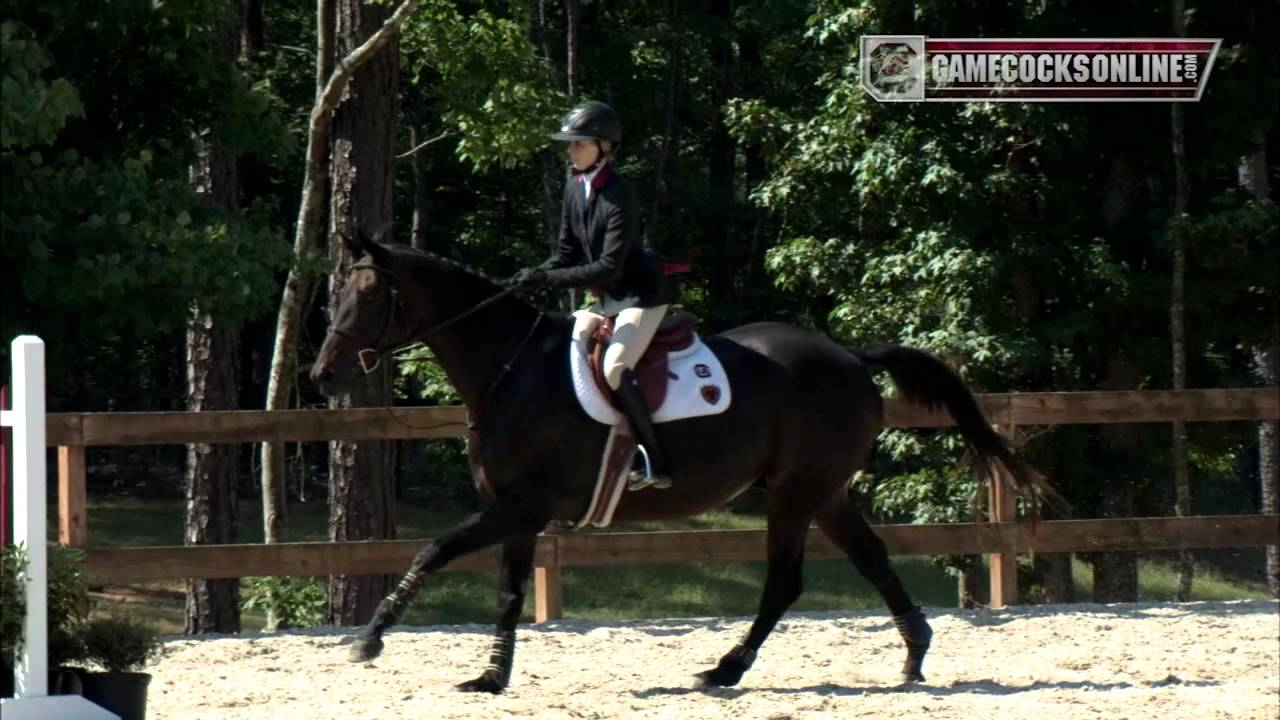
<point x="372" y="348"/>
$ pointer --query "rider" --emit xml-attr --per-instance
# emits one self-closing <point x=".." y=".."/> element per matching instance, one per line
<point x="600" y="250"/>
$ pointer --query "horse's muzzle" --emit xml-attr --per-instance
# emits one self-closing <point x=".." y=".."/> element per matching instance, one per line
<point x="325" y="379"/>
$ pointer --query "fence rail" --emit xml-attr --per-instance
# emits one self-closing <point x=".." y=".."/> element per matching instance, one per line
<point x="118" y="565"/>
<point x="403" y="423"/>
<point x="1001" y="539"/>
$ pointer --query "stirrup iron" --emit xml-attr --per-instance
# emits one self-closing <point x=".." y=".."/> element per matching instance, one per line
<point x="636" y="481"/>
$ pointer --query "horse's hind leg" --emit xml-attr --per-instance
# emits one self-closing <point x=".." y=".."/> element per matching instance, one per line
<point x="845" y="526"/>
<point x="788" y="524"/>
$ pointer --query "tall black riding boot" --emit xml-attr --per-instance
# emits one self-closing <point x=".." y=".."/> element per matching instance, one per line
<point x="631" y="398"/>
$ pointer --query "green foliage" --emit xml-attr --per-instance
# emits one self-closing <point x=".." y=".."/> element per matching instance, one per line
<point x="422" y="377"/>
<point x="491" y="89"/>
<point x="1018" y="241"/>
<point x="32" y="109"/>
<point x="120" y="644"/>
<point x="13" y="562"/>
<point x="105" y="238"/>
<point x="1028" y="244"/>
<point x="120" y="233"/>
<point x="299" y="602"/>
<point x="68" y="603"/>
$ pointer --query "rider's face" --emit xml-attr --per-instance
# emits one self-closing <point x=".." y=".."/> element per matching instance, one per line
<point x="583" y="153"/>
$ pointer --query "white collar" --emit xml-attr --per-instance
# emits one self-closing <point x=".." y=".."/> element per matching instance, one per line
<point x="589" y="176"/>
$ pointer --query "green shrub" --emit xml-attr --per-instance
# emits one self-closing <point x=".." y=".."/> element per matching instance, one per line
<point x="299" y="601"/>
<point x="120" y="644"/>
<point x="12" y="601"/>
<point x="69" y="604"/>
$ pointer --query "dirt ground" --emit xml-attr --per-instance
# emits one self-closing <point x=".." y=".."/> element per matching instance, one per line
<point x="1197" y="661"/>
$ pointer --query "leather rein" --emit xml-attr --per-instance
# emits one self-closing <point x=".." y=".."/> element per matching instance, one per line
<point x="376" y="350"/>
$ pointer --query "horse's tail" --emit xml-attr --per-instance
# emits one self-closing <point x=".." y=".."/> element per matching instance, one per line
<point x="924" y="379"/>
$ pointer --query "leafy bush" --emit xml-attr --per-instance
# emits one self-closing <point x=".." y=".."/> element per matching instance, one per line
<point x="299" y="601"/>
<point x="12" y="601"/>
<point x="69" y="604"/>
<point x="120" y="644"/>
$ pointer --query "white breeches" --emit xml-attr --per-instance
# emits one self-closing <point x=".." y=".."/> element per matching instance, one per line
<point x="632" y="331"/>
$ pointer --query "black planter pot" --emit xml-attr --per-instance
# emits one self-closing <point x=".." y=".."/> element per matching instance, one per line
<point x="62" y="681"/>
<point x="124" y="694"/>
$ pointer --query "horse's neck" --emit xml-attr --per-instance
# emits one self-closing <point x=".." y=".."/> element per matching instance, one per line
<point x="473" y="350"/>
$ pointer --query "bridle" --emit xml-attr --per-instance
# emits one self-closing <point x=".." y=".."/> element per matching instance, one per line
<point x="377" y="350"/>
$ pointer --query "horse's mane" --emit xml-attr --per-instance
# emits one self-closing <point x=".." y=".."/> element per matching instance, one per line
<point x="448" y="265"/>
<point x="440" y="262"/>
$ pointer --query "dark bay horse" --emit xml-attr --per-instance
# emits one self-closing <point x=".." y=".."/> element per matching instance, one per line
<point x="804" y="416"/>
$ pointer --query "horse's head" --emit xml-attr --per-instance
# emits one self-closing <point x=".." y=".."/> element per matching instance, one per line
<point x="370" y="320"/>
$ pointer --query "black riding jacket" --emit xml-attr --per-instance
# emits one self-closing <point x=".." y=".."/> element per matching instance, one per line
<point x="600" y="247"/>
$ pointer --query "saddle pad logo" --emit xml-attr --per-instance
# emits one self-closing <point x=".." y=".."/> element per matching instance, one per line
<point x="702" y="371"/>
<point x="711" y="393"/>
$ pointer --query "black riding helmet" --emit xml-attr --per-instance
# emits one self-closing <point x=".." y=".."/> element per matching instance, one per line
<point x="590" y="120"/>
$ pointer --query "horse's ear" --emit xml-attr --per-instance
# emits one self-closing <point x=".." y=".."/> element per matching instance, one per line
<point x="373" y="247"/>
<point x="354" y="246"/>
<point x="383" y="234"/>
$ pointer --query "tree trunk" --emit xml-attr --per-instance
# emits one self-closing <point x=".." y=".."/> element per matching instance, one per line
<point x="970" y="588"/>
<point x="538" y="36"/>
<point x="675" y="52"/>
<point x="1266" y="361"/>
<point x="361" y="475"/>
<point x="330" y="84"/>
<point x="251" y="28"/>
<point x="1115" y="574"/>
<point x="573" y="21"/>
<point x="1177" y="314"/>
<point x="552" y="167"/>
<point x="720" y="228"/>
<point x="1055" y="568"/>
<point x="212" y="605"/>
<point x="756" y="170"/>
<point x="421" y="178"/>
<point x="213" y="383"/>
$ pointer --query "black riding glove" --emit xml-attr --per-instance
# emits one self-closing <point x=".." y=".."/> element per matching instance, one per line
<point x="530" y="278"/>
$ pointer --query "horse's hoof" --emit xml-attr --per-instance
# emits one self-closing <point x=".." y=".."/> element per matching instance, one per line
<point x="909" y="678"/>
<point x="365" y="649"/>
<point x="488" y="682"/>
<point x="716" y="677"/>
<point x="730" y="669"/>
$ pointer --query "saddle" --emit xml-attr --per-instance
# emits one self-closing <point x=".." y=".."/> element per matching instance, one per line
<point x="675" y="333"/>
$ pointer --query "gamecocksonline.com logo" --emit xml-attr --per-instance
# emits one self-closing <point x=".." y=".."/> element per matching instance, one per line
<point x="915" y="68"/>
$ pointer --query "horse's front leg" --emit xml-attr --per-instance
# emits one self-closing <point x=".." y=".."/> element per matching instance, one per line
<point x="513" y="580"/>
<point x="506" y="519"/>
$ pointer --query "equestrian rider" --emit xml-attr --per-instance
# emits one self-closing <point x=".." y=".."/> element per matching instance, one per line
<point x="600" y="250"/>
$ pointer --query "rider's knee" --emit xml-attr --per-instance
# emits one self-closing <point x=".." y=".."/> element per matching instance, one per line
<point x="584" y="324"/>
<point x="614" y="365"/>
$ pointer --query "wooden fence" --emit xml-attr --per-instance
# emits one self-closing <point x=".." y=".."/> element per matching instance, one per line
<point x="1001" y="539"/>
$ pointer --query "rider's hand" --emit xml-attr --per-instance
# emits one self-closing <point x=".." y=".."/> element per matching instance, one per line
<point x="530" y="278"/>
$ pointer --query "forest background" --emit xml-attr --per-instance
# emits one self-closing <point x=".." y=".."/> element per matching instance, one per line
<point x="168" y="195"/>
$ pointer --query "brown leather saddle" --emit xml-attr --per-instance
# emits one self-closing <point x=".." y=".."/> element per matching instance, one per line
<point x="675" y="333"/>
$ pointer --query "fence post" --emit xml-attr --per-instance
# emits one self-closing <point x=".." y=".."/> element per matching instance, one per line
<point x="73" y="521"/>
<point x="27" y="419"/>
<point x="1002" y="508"/>
<point x="4" y="469"/>
<point x="548" y="593"/>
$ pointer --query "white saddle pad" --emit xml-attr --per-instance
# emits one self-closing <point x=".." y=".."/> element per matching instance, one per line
<point x="700" y="386"/>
